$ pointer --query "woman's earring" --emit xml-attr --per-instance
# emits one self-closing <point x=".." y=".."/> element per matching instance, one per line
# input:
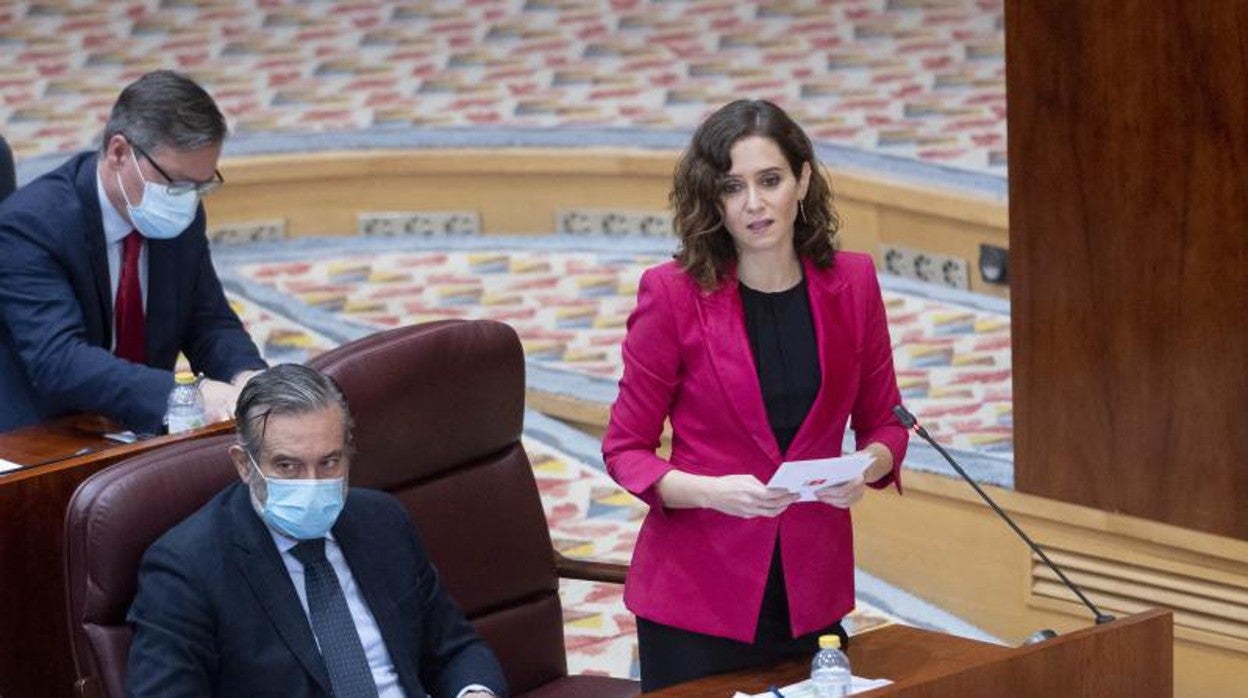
<point x="801" y="209"/>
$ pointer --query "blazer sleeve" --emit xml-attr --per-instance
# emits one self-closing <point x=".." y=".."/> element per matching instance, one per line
<point x="872" y="419"/>
<point x="651" y="356"/>
<point x="216" y="344"/>
<point x="48" y="329"/>
<point x="173" y="650"/>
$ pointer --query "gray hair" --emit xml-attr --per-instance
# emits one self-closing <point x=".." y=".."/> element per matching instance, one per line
<point x="285" y="389"/>
<point x="166" y="109"/>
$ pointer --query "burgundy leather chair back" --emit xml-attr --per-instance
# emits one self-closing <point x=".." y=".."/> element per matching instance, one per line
<point x="111" y="520"/>
<point x="439" y="410"/>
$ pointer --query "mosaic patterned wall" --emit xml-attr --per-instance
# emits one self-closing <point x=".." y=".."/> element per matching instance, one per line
<point x="918" y="79"/>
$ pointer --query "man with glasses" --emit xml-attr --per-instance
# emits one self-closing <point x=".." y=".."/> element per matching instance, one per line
<point x="105" y="273"/>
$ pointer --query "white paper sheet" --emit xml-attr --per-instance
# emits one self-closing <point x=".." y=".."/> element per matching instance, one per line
<point x="803" y="689"/>
<point x="7" y="465"/>
<point x="806" y="476"/>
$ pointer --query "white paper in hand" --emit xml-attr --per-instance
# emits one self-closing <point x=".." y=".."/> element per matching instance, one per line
<point x="806" y="476"/>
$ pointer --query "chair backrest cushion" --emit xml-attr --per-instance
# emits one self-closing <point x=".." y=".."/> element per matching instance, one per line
<point x="439" y="410"/>
<point x="111" y="520"/>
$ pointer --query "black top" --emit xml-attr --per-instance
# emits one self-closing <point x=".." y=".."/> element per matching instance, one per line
<point x="782" y="338"/>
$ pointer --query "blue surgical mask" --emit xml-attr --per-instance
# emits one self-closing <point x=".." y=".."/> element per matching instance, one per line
<point x="160" y="215"/>
<point x="301" y="509"/>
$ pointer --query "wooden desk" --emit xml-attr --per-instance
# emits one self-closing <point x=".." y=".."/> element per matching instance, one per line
<point x="61" y="439"/>
<point x="1130" y="658"/>
<point x="35" y="657"/>
<point x="894" y="652"/>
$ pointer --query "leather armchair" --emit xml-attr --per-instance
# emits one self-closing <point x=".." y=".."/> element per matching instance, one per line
<point x="111" y="520"/>
<point x="438" y="410"/>
<point x="438" y="414"/>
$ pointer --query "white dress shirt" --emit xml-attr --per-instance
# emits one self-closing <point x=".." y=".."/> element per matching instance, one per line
<point x="116" y="228"/>
<point x="384" y="674"/>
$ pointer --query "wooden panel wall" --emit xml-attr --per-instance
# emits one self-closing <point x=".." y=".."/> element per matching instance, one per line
<point x="982" y="573"/>
<point x="1128" y="149"/>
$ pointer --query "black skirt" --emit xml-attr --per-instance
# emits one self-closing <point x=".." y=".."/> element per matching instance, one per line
<point x="671" y="655"/>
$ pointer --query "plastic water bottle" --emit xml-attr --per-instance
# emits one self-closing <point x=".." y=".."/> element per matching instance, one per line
<point x="829" y="672"/>
<point x="186" y="405"/>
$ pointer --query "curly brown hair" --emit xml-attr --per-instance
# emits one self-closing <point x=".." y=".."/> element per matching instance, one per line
<point x="706" y="248"/>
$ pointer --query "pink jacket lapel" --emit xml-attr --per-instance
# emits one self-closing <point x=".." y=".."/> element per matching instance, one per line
<point x="723" y="327"/>
<point x="832" y="313"/>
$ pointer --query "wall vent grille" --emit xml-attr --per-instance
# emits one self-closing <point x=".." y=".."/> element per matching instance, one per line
<point x="1204" y="609"/>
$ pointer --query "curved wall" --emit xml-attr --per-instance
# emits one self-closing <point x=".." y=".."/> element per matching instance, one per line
<point x="519" y="190"/>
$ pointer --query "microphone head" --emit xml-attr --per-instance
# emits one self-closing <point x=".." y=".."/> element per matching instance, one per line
<point x="1039" y="636"/>
<point x="903" y="415"/>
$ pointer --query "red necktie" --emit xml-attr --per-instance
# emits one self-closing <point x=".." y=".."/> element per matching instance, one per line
<point x="128" y="313"/>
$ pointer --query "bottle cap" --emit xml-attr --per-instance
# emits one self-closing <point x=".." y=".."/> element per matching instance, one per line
<point x="184" y="378"/>
<point x="829" y="642"/>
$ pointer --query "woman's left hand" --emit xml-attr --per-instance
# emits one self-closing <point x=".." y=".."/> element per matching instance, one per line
<point x="844" y="495"/>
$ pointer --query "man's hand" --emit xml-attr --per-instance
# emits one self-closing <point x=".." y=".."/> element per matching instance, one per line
<point x="219" y="399"/>
<point x="241" y="379"/>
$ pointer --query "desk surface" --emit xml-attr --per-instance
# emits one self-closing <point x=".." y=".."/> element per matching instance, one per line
<point x="70" y="442"/>
<point x="57" y="440"/>
<point x="900" y="653"/>
<point x="1131" y="657"/>
<point x="35" y="654"/>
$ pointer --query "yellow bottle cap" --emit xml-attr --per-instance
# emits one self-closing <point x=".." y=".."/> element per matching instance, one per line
<point x="829" y="642"/>
<point x="184" y="378"/>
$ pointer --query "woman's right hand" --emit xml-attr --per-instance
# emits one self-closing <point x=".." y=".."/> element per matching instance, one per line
<point x="745" y="496"/>
<point x="735" y="495"/>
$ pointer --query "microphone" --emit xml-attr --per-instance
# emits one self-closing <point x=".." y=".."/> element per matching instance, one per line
<point x="908" y="421"/>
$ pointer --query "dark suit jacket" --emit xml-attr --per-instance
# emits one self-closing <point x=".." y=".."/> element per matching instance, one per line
<point x="56" y="310"/>
<point x="216" y="612"/>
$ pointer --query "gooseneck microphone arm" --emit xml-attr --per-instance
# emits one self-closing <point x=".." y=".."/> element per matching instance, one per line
<point x="908" y="421"/>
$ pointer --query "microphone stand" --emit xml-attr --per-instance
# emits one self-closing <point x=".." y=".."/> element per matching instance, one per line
<point x="910" y="422"/>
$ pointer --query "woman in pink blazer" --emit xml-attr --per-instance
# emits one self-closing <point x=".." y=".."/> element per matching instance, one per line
<point x="760" y="343"/>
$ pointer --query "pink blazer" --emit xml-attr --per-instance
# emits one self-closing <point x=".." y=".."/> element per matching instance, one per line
<point x="687" y="357"/>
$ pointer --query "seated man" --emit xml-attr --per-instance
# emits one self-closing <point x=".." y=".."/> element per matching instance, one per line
<point x="105" y="274"/>
<point x="289" y="583"/>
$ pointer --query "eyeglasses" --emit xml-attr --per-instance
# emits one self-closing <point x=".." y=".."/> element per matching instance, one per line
<point x="179" y="188"/>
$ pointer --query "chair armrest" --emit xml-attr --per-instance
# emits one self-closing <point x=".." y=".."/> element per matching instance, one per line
<point x="569" y="568"/>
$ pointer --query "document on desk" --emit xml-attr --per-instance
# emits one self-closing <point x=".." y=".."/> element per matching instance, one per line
<point x="806" y="476"/>
<point x="7" y="465"/>
<point x="803" y="689"/>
